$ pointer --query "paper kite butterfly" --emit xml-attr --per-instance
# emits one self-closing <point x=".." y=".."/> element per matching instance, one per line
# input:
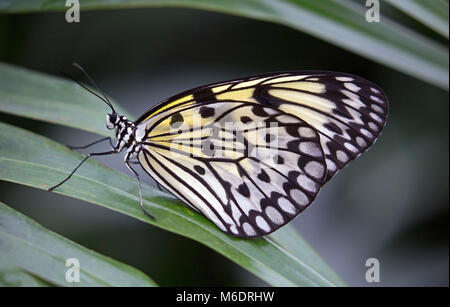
<point x="250" y="154"/>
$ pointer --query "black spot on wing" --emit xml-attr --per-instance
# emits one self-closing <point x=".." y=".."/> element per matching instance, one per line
<point x="292" y="130"/>
<point x="333" y="127"/>
<point x="263" y="176"/>
<point x="243" y="189"/>
<point x="206" y="112"/>
<point x="246" y="119"/>
<point x="176" y="121"/>
<point x="199" y="169"/>
<point x="259" y="111"/>
<point x="204" y="94"/>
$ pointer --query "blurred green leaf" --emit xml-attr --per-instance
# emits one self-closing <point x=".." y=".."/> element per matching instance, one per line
<point x="34" y="95"/>
<point x="432" y="13"/>
<point x="15" y="277"/>
<point x="33" y="160"/>
<point x="288" y="238"/>
<point x="341" y="23"/>
<point x="27" y="245"/>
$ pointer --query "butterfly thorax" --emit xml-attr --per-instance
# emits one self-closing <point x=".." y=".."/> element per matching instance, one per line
<point x="125" y="135"/>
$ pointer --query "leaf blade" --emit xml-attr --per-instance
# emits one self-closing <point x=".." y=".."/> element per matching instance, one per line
<point x="30" y="247"/>
<point x="432" y="13"/>
<point x="15" y="277"/>
<point x="339" y="22"/>
<point x="288" y="238"/>
<point x="39" y="96"/>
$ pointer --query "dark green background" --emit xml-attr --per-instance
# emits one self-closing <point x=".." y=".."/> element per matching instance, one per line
<point x="392" y="203"/>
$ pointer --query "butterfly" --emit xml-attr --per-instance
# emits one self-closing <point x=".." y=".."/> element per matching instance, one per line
<point x="250" y="154"/>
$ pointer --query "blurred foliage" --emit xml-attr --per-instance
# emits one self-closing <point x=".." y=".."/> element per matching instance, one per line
<point x="338" y="22"/>
<point x="38" y="252"/>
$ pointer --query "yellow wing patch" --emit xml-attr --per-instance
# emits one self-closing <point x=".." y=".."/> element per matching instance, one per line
<point x="238" y="95"/>
<point x="170" y="105"/>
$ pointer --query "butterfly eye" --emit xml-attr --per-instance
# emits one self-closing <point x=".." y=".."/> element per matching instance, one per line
<point x="111" y="120"/>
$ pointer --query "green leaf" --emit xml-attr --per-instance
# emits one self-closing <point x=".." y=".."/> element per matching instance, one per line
<point x="26" y="246"/>
<point x="36" y="161"/>
<point x="15" y="277"/>
<point x="341" y="23"/>
<point x="288" y="238"/>
<point x="40" y="96"/>
<point x="432" y="13"/>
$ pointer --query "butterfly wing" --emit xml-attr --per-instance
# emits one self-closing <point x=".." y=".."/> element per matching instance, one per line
<point x="321" y="121"/>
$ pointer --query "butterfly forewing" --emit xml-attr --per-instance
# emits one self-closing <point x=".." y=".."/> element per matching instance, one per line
<point x="250" y="154"/>
<point x="347" y="111"/>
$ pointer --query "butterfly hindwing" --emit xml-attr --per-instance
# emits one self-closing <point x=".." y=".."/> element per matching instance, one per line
<point x="249" y="169"/>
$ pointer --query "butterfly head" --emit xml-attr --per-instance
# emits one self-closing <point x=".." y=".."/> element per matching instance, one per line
<point x="112" y="120"/>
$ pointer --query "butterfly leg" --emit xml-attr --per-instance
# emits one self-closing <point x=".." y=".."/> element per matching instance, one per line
<point x="127" y="162"/>
<point x="157" y="183"/>
<point x="81" y="163"/>
<point x="93" y="143"/>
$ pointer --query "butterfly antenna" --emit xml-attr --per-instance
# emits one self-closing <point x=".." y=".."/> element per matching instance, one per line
<point x="105" y="99"/>
<point x="85" y="87"/>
